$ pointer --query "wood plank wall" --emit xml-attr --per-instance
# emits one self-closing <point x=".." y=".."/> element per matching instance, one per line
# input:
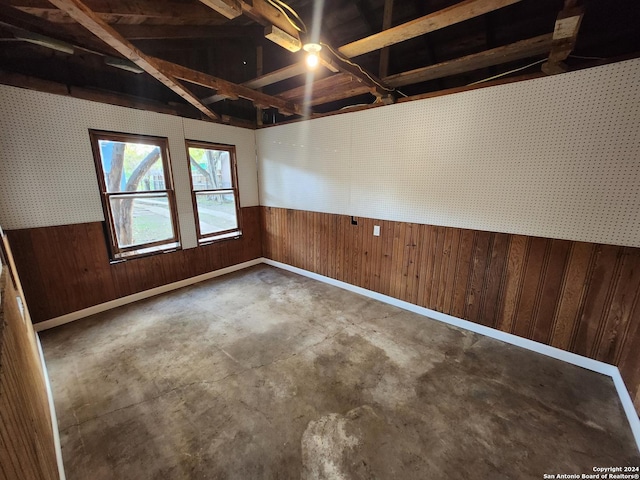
<point x="26" y="435"/>
<point x="580" y="297"/>
<point x="66" y="268"/>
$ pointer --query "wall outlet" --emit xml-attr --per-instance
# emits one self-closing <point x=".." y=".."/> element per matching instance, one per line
<point x="376" y="230"/>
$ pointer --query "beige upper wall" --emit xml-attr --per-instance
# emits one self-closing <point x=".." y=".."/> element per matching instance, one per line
<point x="47" y="174"/>
<point x="554" y="157"/>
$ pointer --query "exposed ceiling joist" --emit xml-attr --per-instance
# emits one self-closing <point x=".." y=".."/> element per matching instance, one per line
<point x="276" y="76"/>
<point x="279" y="29"/>
<point x="127" y="12"/>
<point x="375" y="85"/>
<point x="329" y="89"/>
<point x="428" y="23"/>
<point x="74" y="34"/>
<point x="565" y="36"/>
<point x="223" y="87"/>
<point x="88" y="19"/>
<point x="496" y="56"/>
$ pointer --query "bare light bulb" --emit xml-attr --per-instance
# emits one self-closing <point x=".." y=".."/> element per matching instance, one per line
<point x="313" y="57"/>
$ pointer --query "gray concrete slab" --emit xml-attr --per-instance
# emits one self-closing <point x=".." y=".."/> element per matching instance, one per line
<point x="264" y="374"/>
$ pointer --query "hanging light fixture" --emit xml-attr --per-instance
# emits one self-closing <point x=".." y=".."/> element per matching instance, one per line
<point x="313" y="54"/>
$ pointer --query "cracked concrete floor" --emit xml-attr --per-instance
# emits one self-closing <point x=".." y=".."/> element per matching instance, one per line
<point x="263" y="374"/>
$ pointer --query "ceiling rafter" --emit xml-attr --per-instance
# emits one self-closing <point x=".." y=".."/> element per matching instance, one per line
<point x="92" y="22"/>
<point x="264" y="13"/>
<point x="435" y="21"/>
<point x="231" y="90"/>
<point x="261" y="11"/>
<point x="126" y="11"/>
<point x="565" y="35"/>
<point x="523" y="49"/>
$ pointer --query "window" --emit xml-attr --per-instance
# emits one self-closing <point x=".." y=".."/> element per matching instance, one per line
<point x="214" y="190"/>
<point x="137" y="193"/>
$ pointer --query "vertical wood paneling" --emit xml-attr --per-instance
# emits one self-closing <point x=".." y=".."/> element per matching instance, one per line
<point x="26" y="435"/>
<point x="66" y="268"/>
<point x="495" y="277"/>
<point x="602" y="281"/>
<point x="473" y="304"/>
<point x="572" y="296"/>
<point x="530" y="292"/>
<point x="577" y="296"/>
<point x="623" y="301"/>
<point x="463" y="269"/>
<point x="550" y="290"/>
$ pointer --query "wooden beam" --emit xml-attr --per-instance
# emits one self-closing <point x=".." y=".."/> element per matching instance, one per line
<point x="279" y="29"/>
<point x="387" y="20"/>
<point x="228" y="8"/>
<point x="496" y="56"/>
<point x="176" y="32"/>
<point x="226" y="88"/>
<point x="13" y="19"/>
<point x="376" y="86"/>
<point x="565" y="36"/>
<point x="276" y="76"/>
<point x="429" y="23"/>
<point x="128" y="12"/>
<point x="88" y="19"/>
<point x="329" y="89"/>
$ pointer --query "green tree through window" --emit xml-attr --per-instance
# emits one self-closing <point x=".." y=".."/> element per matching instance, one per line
<point x="138" y="198"/>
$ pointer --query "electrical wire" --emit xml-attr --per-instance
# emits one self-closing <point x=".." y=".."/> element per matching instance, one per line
<point x="587" y="58"/>
<point x="301" y="27"/>
<point x="507" y="73"/>
<point x="284" y="8"/>
<point x="344" y="59"/>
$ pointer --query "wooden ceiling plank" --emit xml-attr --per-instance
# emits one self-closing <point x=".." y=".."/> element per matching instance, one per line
<point x="523" y="49"/>
<point x="435" y="21"/>
<point x="226" y="88"/>
<point x="332" y="82"/>
<point x="88" y="19"/>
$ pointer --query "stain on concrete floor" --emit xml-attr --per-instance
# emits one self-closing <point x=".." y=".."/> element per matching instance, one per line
<point x="264" y="374"/>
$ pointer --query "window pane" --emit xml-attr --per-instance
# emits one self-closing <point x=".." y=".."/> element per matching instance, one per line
<point x="131" y="167"/>
<point x="141" y="219"/>
<point x="216" y="212"/>
<point x="210" y="169"/>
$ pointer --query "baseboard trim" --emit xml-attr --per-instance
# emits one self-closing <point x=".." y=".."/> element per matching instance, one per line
<point x="102" y="307"/>
<point x="572" y="358"/>
<point x="52" y="413"/>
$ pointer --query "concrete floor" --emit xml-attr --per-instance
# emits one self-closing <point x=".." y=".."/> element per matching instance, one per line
<point x="264" y="374"/>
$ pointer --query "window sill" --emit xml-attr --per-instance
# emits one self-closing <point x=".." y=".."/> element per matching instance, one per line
<point x="219" y="238"/>
<point x="146" y="252"/>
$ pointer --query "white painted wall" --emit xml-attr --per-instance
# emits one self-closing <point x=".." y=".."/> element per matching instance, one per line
<point x="47" y="174"/>
<point x="553" y="157"/>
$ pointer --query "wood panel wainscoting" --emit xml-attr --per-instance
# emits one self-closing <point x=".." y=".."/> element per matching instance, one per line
<point x="27" y="448"/>
<point x="66" y="268"/>
<point x="577" y="296"/>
